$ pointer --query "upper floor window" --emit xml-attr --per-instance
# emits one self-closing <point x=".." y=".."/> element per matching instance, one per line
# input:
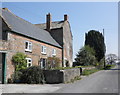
<point x="29" y="62"/>
<point x="43" y="50"/>
<point x="54" y="52"/>
<point x="28" y="46"/>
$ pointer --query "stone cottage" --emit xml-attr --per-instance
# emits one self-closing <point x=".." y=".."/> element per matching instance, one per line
<point x="38" y="42"/>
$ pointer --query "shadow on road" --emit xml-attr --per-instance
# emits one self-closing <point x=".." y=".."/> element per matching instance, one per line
<point x="113" y="69"/>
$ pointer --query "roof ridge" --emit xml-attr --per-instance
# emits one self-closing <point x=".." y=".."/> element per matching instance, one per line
<point x="16" y="15"/>
<point x="52" y="22"/>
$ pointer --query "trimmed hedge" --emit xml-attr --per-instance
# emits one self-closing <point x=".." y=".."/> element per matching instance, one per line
<point x="33" y="75"/>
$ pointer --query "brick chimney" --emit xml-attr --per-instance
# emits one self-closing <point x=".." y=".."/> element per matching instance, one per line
<point x="65" y="17"/>
<point x="48" y="21"/>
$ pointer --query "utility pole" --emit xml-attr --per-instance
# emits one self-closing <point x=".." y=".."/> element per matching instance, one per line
<point x="104" y="50"/>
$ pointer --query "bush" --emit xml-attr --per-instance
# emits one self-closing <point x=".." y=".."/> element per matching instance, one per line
<point x="33" y="75"/>
<point x="85" y="57"/>
<point x="100" y="65"/>
<point x="53" y="62"/>
<point x="19" y="60"/>
<point x="16" y="77"/>
<point x="9" y="80"/>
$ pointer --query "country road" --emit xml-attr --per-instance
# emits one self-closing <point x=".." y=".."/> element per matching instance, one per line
<point x="105" y="81"/>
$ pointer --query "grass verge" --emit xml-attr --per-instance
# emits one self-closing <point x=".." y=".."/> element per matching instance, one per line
<point x="87" y="72"/>
<point x="109" y="67"/>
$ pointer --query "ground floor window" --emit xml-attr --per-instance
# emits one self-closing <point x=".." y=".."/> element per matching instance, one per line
<point x="29" y="62"/>
<point x="43" y="63"/>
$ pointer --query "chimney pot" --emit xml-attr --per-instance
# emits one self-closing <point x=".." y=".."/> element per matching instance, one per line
<point x="65" y="17"/>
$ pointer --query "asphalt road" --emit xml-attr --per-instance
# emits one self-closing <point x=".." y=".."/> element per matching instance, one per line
<point x="105" y="81"/>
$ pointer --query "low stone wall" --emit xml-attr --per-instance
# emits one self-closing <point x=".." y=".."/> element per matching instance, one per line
<point x="61" y="76"/>
<point x="53" y="76"/>
<point x="71" y="74"/>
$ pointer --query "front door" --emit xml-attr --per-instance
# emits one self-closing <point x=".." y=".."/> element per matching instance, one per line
<point x="2" y="67"/>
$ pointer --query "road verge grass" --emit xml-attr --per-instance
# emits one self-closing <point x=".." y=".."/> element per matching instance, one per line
<point x="87" y="72"/>
<point x="108" y="67"/>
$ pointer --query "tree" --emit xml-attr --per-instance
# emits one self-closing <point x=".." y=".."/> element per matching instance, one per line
<point x="86" y="56"/>
<point x="95" y="40"/>
<point x="19" y="60"/>
<point x="111" y="58"/>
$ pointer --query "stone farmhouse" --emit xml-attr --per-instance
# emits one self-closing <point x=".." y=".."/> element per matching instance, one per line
<point x="37" y="41"/>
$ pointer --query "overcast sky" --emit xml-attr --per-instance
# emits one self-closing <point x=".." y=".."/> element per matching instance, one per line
<point x="83" y="16"/>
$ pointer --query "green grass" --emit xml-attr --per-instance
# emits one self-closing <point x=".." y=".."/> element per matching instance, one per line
<point x="63" y="68"/>
<point x="109" y="67"/>
<point x="87" y="66"/>
<point x="87" y="72"/>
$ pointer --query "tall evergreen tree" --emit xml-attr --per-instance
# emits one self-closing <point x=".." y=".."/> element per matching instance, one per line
<point x="95" y="39"/>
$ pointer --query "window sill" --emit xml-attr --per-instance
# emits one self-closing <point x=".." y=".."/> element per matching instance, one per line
<point x="44" y="53"/>
<point x="26" y="50"/>
<point x="53" y="54"/>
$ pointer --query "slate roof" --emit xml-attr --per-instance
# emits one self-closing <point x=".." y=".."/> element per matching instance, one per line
<point x="54" y="25"/>
<point x="23" y="27"/>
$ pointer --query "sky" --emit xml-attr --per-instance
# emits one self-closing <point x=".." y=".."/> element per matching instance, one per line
<point x="83" y="17"/>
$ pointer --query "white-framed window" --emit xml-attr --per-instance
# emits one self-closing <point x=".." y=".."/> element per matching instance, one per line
<point x="28" y="46"/>
<point x="54" y="52"/>
<point x="29" y="62"/>
<point x="43" y="50"/>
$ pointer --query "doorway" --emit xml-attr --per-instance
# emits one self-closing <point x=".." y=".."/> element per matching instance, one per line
<point x="2" y="68"/>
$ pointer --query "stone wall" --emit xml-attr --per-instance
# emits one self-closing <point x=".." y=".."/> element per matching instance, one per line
<point x="3" y="45"/>
<point x="71" y="74"/>
<point x="53" y="76"/>
<point x="61" y="76"/>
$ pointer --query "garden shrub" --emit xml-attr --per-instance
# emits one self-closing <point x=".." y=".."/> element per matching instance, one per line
<point x="16" y="77"/>
<point x="53" y="62"/>
<point x="100" y="65"/>
<point x="33" y="75"/>
<point x="19" y="60"/>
